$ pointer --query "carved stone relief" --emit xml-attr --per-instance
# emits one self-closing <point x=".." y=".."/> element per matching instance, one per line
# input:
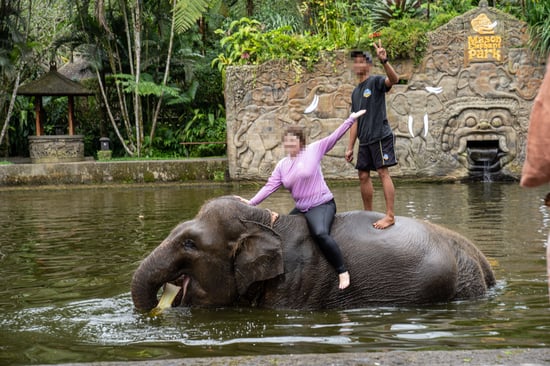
<point x="56" y="148"/>
<point x="464" y="109"/>
<point x="268" y="99"/>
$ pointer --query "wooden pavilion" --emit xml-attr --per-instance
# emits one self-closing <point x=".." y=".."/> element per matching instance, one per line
<point x="57" y="148"/>
<point x="53" y="84"/>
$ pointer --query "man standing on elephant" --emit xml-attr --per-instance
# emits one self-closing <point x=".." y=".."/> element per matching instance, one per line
<point x="300" y="172"/>
<point x="376" y="140"/>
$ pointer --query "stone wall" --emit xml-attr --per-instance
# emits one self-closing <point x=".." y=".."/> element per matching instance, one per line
<point x="463" y="111"/>
<point x="115" y="172"/>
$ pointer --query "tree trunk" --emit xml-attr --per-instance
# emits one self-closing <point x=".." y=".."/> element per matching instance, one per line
<point x="137" y="58"/>
<point x="166" y="72"/>
<point x="10" y="108"/>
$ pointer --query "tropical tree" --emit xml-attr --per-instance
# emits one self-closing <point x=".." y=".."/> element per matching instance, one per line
<point x="8" y="32"/>
<point x="126" y="40"/>
<point x="14" y="53"/>
<point x="153" y="58"/>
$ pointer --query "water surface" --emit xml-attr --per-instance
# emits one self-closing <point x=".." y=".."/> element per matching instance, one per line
<point x="67" y="257"/>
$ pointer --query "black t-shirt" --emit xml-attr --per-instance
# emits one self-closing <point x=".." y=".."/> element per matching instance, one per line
<point x="370" y="94"/>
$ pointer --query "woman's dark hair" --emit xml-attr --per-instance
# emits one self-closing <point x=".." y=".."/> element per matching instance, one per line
<point x="298" y="132"/>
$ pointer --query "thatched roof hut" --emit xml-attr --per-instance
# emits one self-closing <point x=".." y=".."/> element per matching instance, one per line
<point x="53" y="84"/>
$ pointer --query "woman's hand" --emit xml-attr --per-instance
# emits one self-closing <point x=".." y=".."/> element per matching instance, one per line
<point x="243" y="200"/>
<point x="357" y="114"/>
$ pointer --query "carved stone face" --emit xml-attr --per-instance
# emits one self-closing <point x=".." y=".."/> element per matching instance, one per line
<point x="484" y="129"/>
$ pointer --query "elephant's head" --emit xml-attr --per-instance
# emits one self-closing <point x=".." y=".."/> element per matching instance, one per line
<point x="217" y="256"/>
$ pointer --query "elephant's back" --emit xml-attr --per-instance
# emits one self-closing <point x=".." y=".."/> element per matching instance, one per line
<point x="416" y="238"/>
<point x="354" y="232"/>
<point x="360" y="224"/>
<point x="412" y="246"/>
<point x="415" y="267"/>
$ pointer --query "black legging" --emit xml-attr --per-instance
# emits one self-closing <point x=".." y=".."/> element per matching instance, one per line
<point x="319" y="220"/>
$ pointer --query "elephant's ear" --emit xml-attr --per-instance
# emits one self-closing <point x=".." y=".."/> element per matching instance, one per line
<point x="259" y="256"/>
<point x="400" y="104"/>
<point x="434" y="105"/>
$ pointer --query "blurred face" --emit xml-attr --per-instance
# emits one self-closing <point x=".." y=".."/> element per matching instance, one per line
<point x="291" y="144"/>
<point x="360" y="66"/>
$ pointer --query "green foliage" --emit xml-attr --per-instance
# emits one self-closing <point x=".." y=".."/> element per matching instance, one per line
<point x="56" y="110"/>
<point x="165" y="144"/>
<point x="205" y="127"/>
<point x="184" y="97"/>
<point x="146" y="85"/>
<point x="320" y="16"/>
<point x="90" y="123"/>
<point x="441" y="19"/>
<point x="244" y="43"/>
<point x="21" y="126"/>
<point x="405" y="38"/>
<point x="386" y="10"/>
<point x="219" y="176"/>
<point x="210" y="93"/>
<point x="451" y="7"/>
<point x="274" y="14"/>
<point x="441" y="12"/>
<point x="187" y="12"/>
<point x="300" y="32"/>
<point x="537" y="16"/>
<point x="512" y="7"/>
<point x="328" y="26"/>
<point x="241" y="43"/>
<point x="201" y="126"/>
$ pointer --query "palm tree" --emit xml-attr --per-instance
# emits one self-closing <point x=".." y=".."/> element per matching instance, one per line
<point x="114" y="36"/>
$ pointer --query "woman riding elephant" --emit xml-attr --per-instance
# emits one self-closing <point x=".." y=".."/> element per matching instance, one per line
<point x="300" y="172"/>
<point x="232" y="253"/>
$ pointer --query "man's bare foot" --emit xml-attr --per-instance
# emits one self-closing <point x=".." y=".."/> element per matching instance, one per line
<point x="344" y="280"/>
<point x="384" y="222"/>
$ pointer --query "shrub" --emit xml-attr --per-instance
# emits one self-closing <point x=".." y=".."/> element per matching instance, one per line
<point x="405" y="38"/>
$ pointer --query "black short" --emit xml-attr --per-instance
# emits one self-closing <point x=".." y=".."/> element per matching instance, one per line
<point x="380" y="154"/>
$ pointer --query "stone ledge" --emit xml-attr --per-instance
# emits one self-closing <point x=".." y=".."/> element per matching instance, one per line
<point x="105" y="172"/>
<point x="496" y="357"/>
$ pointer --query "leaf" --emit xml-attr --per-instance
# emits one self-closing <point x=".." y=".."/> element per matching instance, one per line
<point x="186" y="12"/>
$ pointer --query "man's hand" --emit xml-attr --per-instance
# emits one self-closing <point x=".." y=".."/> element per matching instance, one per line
<point x="349" y="156"/>
<point x="380" y="51"/>
<point x="357" y="114"/>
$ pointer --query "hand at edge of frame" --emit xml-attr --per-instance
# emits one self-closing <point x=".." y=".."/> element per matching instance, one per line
<point x="357" y="114"/>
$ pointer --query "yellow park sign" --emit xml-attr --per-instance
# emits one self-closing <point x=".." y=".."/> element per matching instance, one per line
<point x="483" y="44"/>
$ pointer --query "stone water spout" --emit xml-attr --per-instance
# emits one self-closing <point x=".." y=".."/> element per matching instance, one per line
<point x="484" y="160"/>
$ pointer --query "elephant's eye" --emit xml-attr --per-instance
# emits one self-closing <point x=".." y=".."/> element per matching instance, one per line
<point x="189" y="244"/>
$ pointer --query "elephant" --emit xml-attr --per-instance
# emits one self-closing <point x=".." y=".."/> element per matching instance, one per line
<point x="234" y="254"/>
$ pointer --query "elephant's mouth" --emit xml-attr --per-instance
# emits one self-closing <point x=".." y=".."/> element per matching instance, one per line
<point x="173" y="294"/>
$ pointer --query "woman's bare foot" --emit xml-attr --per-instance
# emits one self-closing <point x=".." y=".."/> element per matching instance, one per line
<point x="344" y="280"/>
<point x="384" y="222"/>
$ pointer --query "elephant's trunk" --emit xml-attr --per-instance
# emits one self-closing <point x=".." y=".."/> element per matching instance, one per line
<point x="147" y="280"/>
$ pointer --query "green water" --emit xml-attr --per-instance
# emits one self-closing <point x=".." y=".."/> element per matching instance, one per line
<point x="67" y="257"/>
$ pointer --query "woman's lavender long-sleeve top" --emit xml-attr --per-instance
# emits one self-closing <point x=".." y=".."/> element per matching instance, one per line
<point x="302" y="175"/>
